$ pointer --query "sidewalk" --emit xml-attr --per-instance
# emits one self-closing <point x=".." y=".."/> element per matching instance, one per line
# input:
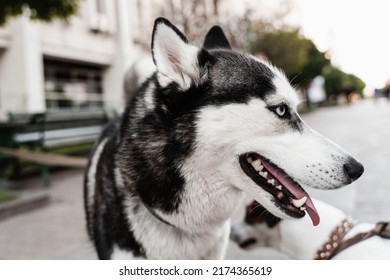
<point x="54" y="231"/>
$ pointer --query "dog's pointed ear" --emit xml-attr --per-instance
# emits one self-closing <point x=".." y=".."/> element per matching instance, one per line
<point x="216" y="39"/>
<point x="176" y="59"/>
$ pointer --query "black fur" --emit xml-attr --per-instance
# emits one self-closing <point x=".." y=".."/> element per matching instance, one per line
<point x="107" y="223"/>
<point x="216" y="39"/>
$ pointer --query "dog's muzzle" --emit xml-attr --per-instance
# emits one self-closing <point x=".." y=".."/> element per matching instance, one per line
<point x="288" y="195"/>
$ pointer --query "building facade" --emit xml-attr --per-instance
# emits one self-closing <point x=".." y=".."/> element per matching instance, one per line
<point x="81" y="63"/>
<point x="67" y="65"/>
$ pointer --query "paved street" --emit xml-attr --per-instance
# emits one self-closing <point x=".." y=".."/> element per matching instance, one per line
<point x="57" y="231"/>
<point x="364" y="131"/>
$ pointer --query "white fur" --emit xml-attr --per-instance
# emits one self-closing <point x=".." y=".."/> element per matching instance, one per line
<point x="299" y="239"/>
<point x="92" y="172"/>
<point x="175" y="59"/>
<point x="285" y="91"/>
<point x="149" y="102"/>
<point x="119" y="254"/>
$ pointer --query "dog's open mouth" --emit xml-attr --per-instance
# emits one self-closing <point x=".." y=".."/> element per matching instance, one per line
<point x="288" y="195"/>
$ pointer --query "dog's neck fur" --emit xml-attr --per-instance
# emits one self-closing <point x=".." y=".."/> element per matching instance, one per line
<point x="200" y="226"/>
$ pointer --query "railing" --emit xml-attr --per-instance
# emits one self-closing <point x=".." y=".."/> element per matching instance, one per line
<point x="65" y="100"/>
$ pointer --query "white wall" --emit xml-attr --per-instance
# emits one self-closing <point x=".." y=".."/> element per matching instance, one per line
<point x="24" y="44"/>
<point x="21" y="70"/>
<point x="124" y="55"/>
<point x="74" y="39"/>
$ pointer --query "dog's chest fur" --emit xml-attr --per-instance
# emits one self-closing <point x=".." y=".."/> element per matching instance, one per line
<point x="162" y="241"/>
<point x="122" y="227"/>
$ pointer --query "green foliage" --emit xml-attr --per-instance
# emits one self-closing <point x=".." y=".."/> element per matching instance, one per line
<point x="289" y="50"/>
<point x="6" y="196"/>
<point x="333" y="80"/>
<point x="337" y="81"/>
<point x="356" y="83"/>
<point x="315" y="63"/>
<point x="285" y="49"/>
<point x="300" y="59"/>
<point x="44" y="10"/>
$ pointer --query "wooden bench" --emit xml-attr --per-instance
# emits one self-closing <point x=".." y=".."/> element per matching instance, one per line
<point x="47" y="131"/>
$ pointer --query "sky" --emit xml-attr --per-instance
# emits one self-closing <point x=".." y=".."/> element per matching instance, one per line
<point x="357" y="33"/>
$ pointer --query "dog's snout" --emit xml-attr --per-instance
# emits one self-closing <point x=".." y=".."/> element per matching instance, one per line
<point x="354" y="169"/>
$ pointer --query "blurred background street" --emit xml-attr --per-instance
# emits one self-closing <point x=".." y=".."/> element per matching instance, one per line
<point x="69" y="66"/>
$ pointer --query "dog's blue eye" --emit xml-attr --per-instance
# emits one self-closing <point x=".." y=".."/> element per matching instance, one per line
<point x="281" y="110"/>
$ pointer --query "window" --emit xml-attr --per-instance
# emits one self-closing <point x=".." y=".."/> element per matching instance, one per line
<point x="98" y="16"/>
<point x="70" y="86"/>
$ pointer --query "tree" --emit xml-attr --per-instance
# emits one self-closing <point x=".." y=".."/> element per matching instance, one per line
<point x="286" y="49"/>
<point x="194" y="18"/>
<point x="44" y="10"/>
<point x="315" y="63"/>
<point x="337" y="81"/>
<point x="356" y="83"/>
<point x="333" y="80"/>
<point x="289" y="50"/>
<point x="301" y="61"/>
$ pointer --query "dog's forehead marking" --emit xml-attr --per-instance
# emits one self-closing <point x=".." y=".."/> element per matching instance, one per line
<point x="283" y="90"/>
<point x="283" y="93"/>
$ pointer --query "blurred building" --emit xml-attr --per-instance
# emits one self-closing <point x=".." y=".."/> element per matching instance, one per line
<point x="77" y="64"/>
<point x="81" y="63"/>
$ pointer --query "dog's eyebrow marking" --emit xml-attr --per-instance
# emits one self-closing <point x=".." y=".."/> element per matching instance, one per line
<point x="272" y="102"/>
<point x="274" y="99"/>
<point x="285" y="91"/>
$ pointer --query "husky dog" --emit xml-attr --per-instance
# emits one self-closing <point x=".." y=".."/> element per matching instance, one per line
<point x="208" y="126"/>
<point x="300" y="240"/>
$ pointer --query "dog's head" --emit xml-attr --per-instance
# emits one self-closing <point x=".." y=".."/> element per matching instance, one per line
<point x="248" y="132"/>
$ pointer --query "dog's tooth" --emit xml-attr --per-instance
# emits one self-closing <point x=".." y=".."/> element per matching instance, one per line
<point x="262" y="174"/>
<point x="280" y="195"/>
<point x="256" y="164"/>
<point x="261" y="168"/>
<point x="265" y="174"/>
<point x="279" y="187"/>
<point x="272" y="182"/>
<point x="249" y="159"/>
<point x="299" y="202"/>
<point x="303" y="208"/>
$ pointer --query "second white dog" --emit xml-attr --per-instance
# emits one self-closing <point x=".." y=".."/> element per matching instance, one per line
<point x="299" y="239"/>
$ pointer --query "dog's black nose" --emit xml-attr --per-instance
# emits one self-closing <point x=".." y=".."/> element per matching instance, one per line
<point x="354" y="169"/>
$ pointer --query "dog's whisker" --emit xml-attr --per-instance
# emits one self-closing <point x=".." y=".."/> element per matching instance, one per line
<point x="292" y="80"/>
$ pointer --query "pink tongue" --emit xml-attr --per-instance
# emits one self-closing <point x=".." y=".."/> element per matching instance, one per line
<point x="297" y="192"/>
